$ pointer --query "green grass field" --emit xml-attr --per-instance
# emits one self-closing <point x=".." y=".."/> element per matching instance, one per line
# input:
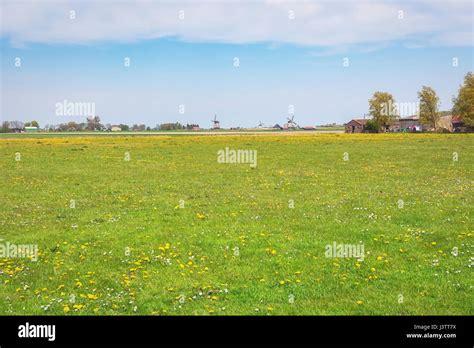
<point x="237" y="248"/>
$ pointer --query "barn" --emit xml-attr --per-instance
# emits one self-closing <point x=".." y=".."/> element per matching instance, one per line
<point x="356" y="126"/>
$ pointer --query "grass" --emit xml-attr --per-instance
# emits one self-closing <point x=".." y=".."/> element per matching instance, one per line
<point x="236" y="248"/>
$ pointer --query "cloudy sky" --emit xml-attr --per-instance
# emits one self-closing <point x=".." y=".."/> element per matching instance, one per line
<point x="246" y="61"/>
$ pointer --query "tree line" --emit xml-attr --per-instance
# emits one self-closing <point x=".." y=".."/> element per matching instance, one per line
<point x="383" y="115"/>
<point x="92" y="124"/>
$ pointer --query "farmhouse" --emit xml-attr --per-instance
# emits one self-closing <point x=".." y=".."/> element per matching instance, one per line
<point x="116" y="129"/>
<point x="356" y="126"/>
<point x="394" y="126"/>
<point x="445" y="122"/>
<point x="411" y="123"/>
<point x="31" y="129"/>
<point x="458" y="125"/>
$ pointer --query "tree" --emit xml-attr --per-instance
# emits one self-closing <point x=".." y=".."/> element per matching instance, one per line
<point x="383" y="109"/>
<point x="72" y="126"/>
<point x="93" y="123"/>
<point x="16" y="125"/>
<point x="429" y="102"/>
<point x="371" y="126"/>
<point x="170" y="126"/>
<point x="5" y="127"/>
<point x="463" y="104"/>
<point x="35" y="124"/>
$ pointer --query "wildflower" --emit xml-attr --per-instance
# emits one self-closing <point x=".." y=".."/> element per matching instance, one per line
<point x="271" y="251"/>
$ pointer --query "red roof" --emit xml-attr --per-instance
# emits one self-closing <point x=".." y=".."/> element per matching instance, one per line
<point x="361" y="121"/>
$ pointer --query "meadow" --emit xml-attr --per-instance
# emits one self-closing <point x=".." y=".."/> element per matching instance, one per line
<point x="154" y="225"/>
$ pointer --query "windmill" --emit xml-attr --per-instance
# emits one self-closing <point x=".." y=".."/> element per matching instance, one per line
<point x="291" y="124"/>
<point x="260" y="124"/>
<point x="216" y="123"/>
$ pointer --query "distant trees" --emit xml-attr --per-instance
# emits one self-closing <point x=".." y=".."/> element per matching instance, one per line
<point x="93" y="123"/>
<point x="171" y="126"/>
<point x="137" y="127"/>
<point x="32" y="124"/>
<point x="73" y="126"/>
<point x="383" y="109"/>
<point x="5" y="127"/>
<point x="463" y="104"/>
<point x="192" y="125"/>
<point x="429" y="102"/>
<point x="15" y="125"/>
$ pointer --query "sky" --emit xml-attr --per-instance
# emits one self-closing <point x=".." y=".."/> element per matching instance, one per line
<point x="247" y="61"/>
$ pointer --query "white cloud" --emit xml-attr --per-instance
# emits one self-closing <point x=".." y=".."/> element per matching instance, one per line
<point x="315" y="23"/>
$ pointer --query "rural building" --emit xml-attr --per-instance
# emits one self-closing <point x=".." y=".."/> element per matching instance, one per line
<point x="394" y="126"/>
<point x="458" y="125"/>
<point x="116" y="129"/>
<point x="31" y="129"/>
<point x="356" y="126"/>
<point x="410" y="123"/>
<point x="445" y="122"/>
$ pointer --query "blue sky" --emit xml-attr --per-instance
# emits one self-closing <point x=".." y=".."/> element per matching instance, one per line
<point x="194" y="66"/>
